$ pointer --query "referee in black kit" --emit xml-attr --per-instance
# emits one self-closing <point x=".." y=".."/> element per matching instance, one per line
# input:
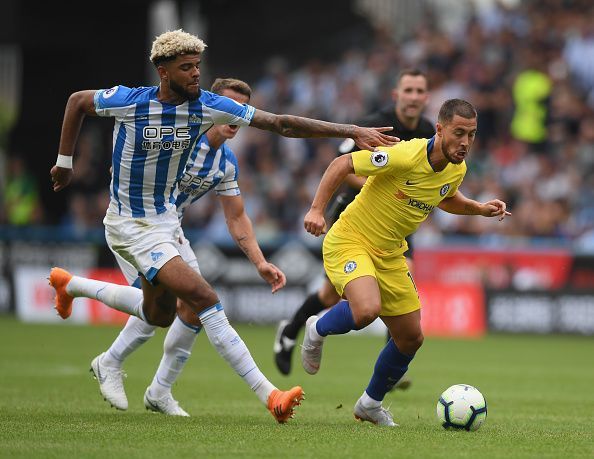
<point x="409" y="96"/>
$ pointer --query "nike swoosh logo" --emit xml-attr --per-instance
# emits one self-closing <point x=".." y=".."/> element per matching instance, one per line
<point x="150" y="402"/>
<point x="408" y="182"/>
<point x="100" y="377"/>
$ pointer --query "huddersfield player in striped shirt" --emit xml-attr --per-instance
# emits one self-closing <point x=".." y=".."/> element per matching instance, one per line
<point x="364" y="250"/>
<point x="155" y="132"/>
<point x="213" y="166"/>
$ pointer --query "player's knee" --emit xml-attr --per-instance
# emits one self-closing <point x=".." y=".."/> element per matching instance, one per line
<point x="410" y="344"/>
<point x="199" y="297"/>
<point x="159" y="317"/>
<point x="205" y="296"/>
<point x="187" y="315"/>
<point x="417" y="341"/>
<point x="365" y="315"/>
<point x="159" y="320"/>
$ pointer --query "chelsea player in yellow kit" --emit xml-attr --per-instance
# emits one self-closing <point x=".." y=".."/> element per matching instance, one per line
<point x="363" y="251"/>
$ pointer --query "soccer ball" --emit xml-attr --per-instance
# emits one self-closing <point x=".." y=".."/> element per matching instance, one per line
<point x="461" y="407"/>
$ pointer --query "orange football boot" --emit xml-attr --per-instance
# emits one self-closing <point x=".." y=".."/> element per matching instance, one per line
<point x="282" y="403"/>
<point x="59" y="279"/>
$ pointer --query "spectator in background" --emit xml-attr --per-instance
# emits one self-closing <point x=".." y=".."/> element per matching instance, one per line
<point x="21" y="197"/>
<point x="531" y="91"/>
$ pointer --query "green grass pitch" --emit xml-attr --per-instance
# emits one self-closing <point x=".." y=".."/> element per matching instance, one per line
<point x="539" y="389"/>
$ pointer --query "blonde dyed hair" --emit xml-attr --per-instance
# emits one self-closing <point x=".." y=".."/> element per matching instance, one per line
<point x="169" y="45"/>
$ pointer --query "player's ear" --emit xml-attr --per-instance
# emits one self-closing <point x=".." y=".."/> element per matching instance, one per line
<point x="438" y="129"/>
<point x="162" y="71"/>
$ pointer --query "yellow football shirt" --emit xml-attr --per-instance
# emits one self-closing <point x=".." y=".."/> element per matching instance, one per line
<point x="401" y="191"/>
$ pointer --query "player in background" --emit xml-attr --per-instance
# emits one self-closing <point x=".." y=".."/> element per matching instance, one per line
<point x="156" y="130"/>
<point x="363" y="251"/>
<point x="409" y="95"/>
<point x="213" y="168"/>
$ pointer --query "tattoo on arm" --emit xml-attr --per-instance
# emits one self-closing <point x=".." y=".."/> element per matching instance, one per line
<point x="242" y="243"/>
<point x="249" y="246"/>
<point x="298" y="126"/>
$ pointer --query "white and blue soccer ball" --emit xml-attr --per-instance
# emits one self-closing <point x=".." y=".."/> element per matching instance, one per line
<point x="461" y="407"/>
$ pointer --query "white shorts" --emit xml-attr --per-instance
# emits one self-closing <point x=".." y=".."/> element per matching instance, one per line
<point x="144" y="245"/>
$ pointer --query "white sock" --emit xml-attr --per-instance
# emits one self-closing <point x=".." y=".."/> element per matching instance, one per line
<point x="121" y="297"/>
<point x="232" y="348"/>
<point x="313" y="333"/>
<point x="177" y="348"/>
<point x="134" y="334"/>
<point x="369" y="402"/>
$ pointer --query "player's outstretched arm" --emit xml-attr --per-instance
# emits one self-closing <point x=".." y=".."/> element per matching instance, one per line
<point x="79" y="104"/>
<point x="338" y="169"/>
<point x="240" y="227"/>
<point x="367" y="138"/>
<point x="461" y="205"/>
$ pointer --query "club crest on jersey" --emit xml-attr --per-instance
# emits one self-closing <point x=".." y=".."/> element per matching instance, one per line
<point x="444" y="189"/>
<point x="350" y="266"/>
<point x="379" y="158"/>
<point x="110" y="92"/>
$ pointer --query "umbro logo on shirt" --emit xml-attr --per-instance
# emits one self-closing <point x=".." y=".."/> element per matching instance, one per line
<point x="156" y="255"/>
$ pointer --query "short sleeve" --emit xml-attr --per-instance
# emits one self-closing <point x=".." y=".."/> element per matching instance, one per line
<point x="228" y="185"/>
<point x="115" y="101"/>
<point x="226" y="111"/>
<point x="389" y="160"/>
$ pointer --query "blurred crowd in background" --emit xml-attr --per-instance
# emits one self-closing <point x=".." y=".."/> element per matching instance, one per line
<point x="528" y="69"/>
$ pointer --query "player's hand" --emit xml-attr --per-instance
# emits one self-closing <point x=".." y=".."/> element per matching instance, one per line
<point x="274" y="276"/>
<point x="494" y="208"/>
<point x="314" y="222"/>
<point x="60" y="177"/>
<point x="369" y="138"/>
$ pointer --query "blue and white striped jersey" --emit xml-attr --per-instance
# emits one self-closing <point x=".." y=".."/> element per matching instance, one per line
<point x="207" y="169"/>
<point x="152" y="142"/>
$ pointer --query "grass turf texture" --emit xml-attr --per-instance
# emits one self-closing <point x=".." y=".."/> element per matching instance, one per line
<point x="538" y="389"/>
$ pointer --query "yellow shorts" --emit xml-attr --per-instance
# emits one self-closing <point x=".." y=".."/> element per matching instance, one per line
<point x="346" y="258"/>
